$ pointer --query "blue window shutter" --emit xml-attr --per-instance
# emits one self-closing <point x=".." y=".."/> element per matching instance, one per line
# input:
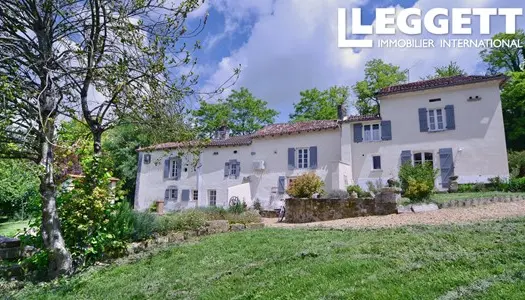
<point x="450" y="118"/>
<point x="406" y="157"/>
<point x="281" y="185"/>
<point x="226" y="169"/>
<point x="167" y="168"/>
<point x="185" y="196"/>
<point x="313" y="157"/>
<point x="291" y="158"/>
<point x="358" y="133"/>
<point x="167" y="195"/>
<point x="446" y="165"/>
<point x="386" y="130"/>
<point x="423" y="121"/>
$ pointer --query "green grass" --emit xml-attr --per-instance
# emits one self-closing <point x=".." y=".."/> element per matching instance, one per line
<point x="484" y="261"/>
<point x="446" y="197"/>
<point x="10" y="229"/>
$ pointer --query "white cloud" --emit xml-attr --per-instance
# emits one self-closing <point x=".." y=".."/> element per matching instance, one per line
<point x="293" y="47"/>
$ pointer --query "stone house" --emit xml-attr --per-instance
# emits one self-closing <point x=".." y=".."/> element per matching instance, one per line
<point x="455" y="123"/>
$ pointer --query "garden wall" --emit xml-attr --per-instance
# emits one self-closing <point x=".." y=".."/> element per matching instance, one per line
<point x="314" y="210"/>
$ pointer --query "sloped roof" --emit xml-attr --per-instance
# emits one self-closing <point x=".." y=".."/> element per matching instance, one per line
<point x="296" y="127"/>
<point x="241" y="140"/>
<point x="269" y="130"/>
<point x="437" y="83"/>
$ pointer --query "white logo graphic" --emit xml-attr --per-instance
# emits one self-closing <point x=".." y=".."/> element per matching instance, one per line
<point x="438" y="21"/>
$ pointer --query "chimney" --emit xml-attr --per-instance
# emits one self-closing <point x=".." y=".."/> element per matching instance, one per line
<point x="222" y="133"/>
<point x="340" y="113"/>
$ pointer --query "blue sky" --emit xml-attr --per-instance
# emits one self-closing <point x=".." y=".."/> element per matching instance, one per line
<point x="286" y="46"/>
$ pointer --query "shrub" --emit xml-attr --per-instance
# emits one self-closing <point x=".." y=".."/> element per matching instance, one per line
<point x="417" y="182"/>
<point x="497" y="184"/>
<point x="466" y="188"/>
<point x="516" y="185"/>
<point x="213" y="212"/>
<point x="417" y="190"/>
<point x="354" y="188"/>
<point x="250" y="216"/>
<point x="479" y="187"/>
<point x="94" y="221"/>
<point x="517" y="164"/>
<point x="180" y="221"/>
<point x="337" y="194"/>
<point x="257" y="205"/>
<point x="374" y="187"/>
<point x="305" y="186"/>
<point x="237" y="208"/>
<point x="144" y="225"/>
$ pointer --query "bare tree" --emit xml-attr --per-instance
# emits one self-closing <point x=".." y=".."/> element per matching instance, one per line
<point x="32" y="91"/>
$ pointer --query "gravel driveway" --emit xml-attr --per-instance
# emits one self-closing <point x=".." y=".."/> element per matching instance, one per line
<point x="442" y="216"/>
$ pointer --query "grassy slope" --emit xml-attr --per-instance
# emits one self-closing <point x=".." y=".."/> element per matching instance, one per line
<point x="484" y="260"/>
<point x="10" y="229"/>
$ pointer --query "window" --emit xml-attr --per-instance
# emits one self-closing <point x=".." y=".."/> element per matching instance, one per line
<point x="372" y="133"/>
<point x="212" y="197"/>
<point x="435" y="100"/>
<point x="424" y="157"/>
<point x="302" y="158"/>
<point x="195" y="195"/>
<point x="147" y="158"/>
<point x="174" y="171"/>
<point x="174" y="194"/>
<point x="233" y="169"/>
<point x="436" y="120"/>
<point x="215" y="153"/>
<point x="376" y="162"/>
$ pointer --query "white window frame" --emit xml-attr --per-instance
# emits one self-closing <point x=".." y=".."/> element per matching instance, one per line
<point x="232" y="167"/>
<point x="432" y="118"/>
<point x="300" y="154"/>
<point x="174" y="172"/>
<point x="174" y="194"/>
<point x="371" y="138"/>
<point x="212" y="197"/>
<point x="380" y="163"/>
<point x="423" y="158"/>
<point x="195" y="195"/>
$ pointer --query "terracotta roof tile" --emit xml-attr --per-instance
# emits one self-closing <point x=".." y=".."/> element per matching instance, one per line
<point x="241" y="140"/>
<point x="274" y="129"/>
<point x="296" y="127"/>
<point x="437" y="83"/>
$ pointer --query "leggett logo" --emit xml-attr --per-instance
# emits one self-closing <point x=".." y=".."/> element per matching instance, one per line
<point x="437" y="21"/>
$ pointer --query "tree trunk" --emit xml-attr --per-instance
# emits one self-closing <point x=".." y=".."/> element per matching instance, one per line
<point x="97" y="142"/>
<point x="60" y="262"/>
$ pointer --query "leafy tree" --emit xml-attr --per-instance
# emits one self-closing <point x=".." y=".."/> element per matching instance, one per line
<point x="242" y="112"/>
<point x="57" y="53"/>
<point x="320" y="105"/>
<point x="18" y="187"/>
<point x="378" y="75"/>
<point x="513" y="106"/>
<point x="505" y="59"/>
<point x="452" y="69"/>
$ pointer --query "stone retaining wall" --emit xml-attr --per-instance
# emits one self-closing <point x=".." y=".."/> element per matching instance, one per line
<point x="481" y="201"/>
<point x="315" y="210"/>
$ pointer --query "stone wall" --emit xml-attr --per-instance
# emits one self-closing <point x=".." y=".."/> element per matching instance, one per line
<point x="314" y="210"/>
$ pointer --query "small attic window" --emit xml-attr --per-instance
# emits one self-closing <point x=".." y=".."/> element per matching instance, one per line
<point x="435" y="100"/>
<point x="234" y="151"/>
<point x="215" y="153"/>
<point x="147" y="158"/>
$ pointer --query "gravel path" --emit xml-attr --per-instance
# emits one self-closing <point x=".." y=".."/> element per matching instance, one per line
<point x="442" y="216"/>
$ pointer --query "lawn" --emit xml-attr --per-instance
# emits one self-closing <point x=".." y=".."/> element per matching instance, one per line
<point x="10" y="229"/>
<point x="471" y="261"/>
<point x="446" y="197"/>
